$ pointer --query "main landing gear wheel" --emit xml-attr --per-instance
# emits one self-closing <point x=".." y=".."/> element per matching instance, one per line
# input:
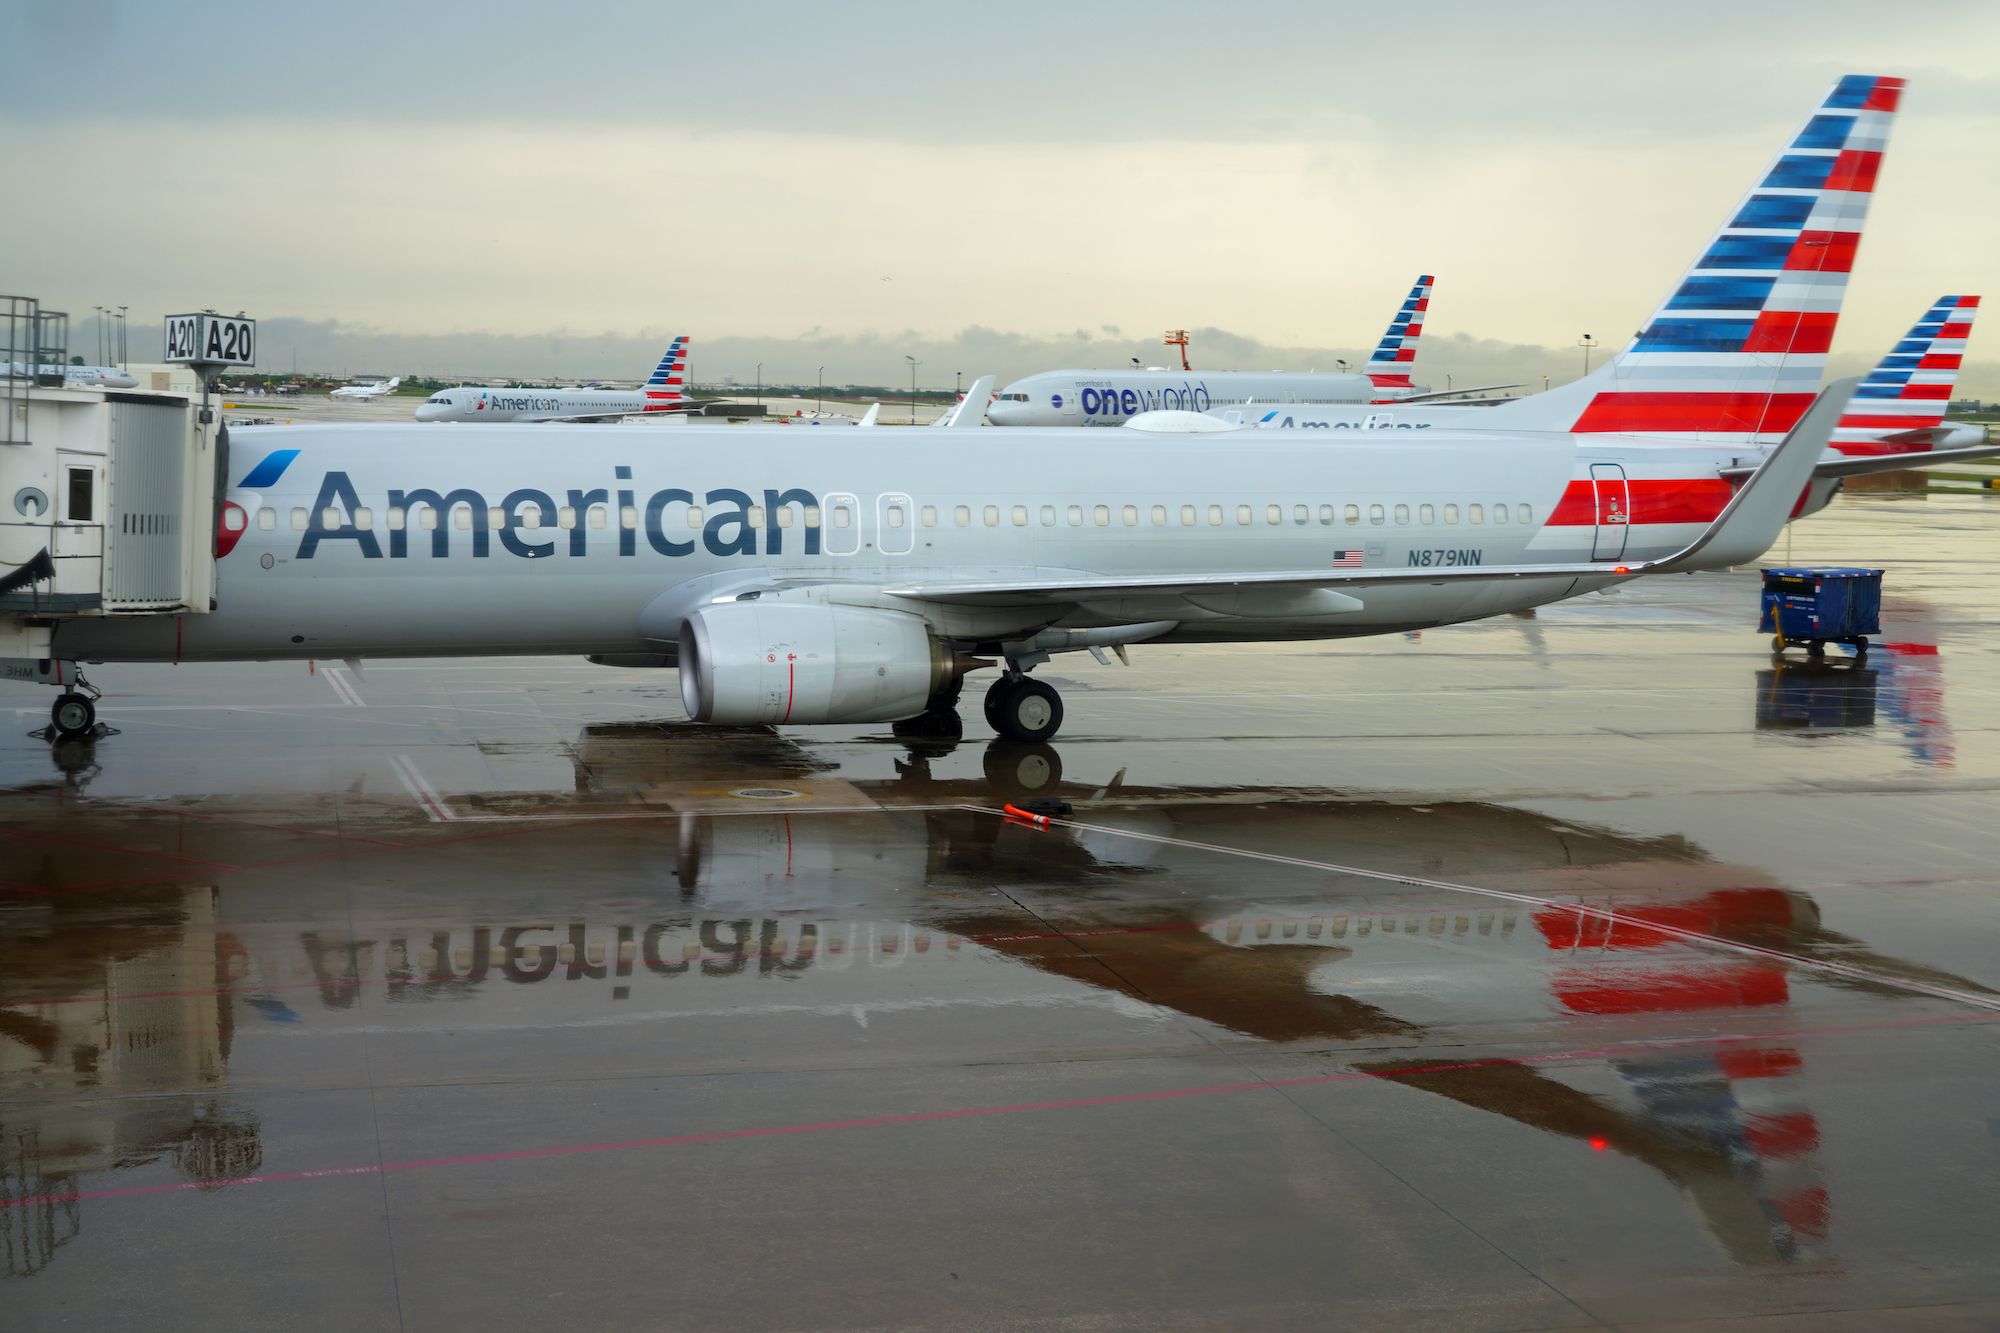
<point x="1024" y="709"/>
<point x="73" y="716"/>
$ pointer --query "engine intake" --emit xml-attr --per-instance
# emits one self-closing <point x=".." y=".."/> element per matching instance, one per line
<point x="771" y="661"/>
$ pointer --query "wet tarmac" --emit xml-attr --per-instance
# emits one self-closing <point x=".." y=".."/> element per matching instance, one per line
<point x="1578" y="970"/>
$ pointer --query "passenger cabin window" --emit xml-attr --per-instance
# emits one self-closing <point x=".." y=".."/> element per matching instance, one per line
<point x="1129" y="515"/>
<point x="1326" y="515"/>
<point x="1301" y="514"/>
<point x="1499" y="513"/>
<point x="961" y="516"/>
<point x="895" y="516"/>
<point x="1076" y="516"/>
<point x="812" y="516"/>
<point x="1525" y="513"/>
<point x="1048" y="516"/>
<point x="1427" y="514"/>
<point x="1375" y="514"/>
<point x="1215" y="516"/>
<point x="1243" y="515"/>
<point x="1353" y="513"/>
<point x="427" y="519"/>
<point x="1451" y="513"/>
<point x="1159" y="516"/>
<point x="1274" y="514"/>
<point x="461" y="517"/>
<point x="843" y="517"/>
<point x="694" y="518"/>
<point x="784" y="516"/>
<point x="1402" y="515"/>
<point x="1019" y="514"/>
<point x="364" y="518"/>
<point x="329" y="517"/>
<point x="1475" y="513"/>
<point x="1101" y="515"/>
<point x="1188" y="516"/>
<point x="496" y="518"/>
<point x="755" y="515"/>
<point x="628" y="516"/>
<point x="267" y="519"/>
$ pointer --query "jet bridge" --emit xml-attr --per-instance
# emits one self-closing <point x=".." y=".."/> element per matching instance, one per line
<point x="108" y="499"/>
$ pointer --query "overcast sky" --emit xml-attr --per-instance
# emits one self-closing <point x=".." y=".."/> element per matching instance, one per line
<point x="503" y="188"/>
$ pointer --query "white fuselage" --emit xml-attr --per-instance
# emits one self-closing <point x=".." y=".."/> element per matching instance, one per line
<point x="80" y="377"/>
<point x="393" y="540"/>
<point x="472" y="404"/>
<point x="1112" y="397"/>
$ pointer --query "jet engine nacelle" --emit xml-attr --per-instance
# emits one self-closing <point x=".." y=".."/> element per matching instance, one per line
<point x="759" y="661"/>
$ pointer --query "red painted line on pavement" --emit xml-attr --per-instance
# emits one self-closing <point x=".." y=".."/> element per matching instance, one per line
<point x="120" y="851"/>
<point x="972" y="1112"/>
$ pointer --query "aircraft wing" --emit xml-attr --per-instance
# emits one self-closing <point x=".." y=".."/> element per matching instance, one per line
<point x="1744" y="530"/>
<point x="1861" y="465"/>
<point x="1448" y="396"/>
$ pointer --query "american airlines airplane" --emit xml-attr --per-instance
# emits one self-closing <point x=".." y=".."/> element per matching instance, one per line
<point x="1897" y="412"/>
<point x="379" y="390"/>
<point x="802" y="578"/>
<point x="665" y="390"/>
<point x="79" y="377"/>
<point x="1112" y="397"/>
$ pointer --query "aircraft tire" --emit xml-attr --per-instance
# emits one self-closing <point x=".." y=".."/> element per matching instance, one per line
<point x="73" y="716"/>
<point x="1028" y="711"/>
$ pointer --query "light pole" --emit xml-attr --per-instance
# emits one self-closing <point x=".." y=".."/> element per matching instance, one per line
<point x="1545" y="384"/>
<point x="1447" y="382"/>
<point x="820" y="394"/>
<point x="100" y="333"/>
<point x="914" y="363"/>
<point x="760" y="381"/>
<point x="957" y="388"/>
<point x="1586" y="342"/>
<point x="122" y="352"/>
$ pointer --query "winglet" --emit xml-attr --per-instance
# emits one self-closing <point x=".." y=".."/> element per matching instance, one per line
<point x="971" y="409"/>
<point x="1765" y="503"/>
<point x="868" y="417"/>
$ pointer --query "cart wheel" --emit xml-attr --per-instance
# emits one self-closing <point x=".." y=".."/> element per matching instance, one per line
<point x="1817" y="648"/>
<point x="1778" y="644"/>
<point x="1861" y="646"/>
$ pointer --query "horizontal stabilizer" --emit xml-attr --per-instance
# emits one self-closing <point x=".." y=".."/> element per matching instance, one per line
<point x="1449" y="396"/>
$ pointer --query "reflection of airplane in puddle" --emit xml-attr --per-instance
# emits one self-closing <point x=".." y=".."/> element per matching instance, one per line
<point x="801" y="913"/>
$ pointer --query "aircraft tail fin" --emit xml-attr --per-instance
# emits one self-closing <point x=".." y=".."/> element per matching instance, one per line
<point x="1735" y="353"/>
<point x="1388" y="369"/>
<point x="666" y="387"/>
<point x="971" y="409"/>
<point x="1906" y="394"/>
<point x="395" y="381"/>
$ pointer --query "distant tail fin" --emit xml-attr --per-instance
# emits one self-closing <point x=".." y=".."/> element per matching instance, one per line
<point x="1389" y="368"/>
<point x="1910" y="388"/>
<point x="394" y="382"/>
<point x="1736" y="352"/>
<point x="666" y="387"/>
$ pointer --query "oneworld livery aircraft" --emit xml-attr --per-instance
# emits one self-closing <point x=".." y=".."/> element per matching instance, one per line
<point x="812" y="577"/>
<point x="665" y="390"/>
<point x="1113" y="397"/>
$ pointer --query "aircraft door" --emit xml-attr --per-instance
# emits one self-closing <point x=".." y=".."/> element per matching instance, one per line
<point x="842" y="519"/>
<point x="895" y="523"/>
<point x="79" y="505"/>
<point x="1614" y="511"/>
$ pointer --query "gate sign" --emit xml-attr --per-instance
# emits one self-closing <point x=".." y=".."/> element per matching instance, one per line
<point x="211" y="339"/>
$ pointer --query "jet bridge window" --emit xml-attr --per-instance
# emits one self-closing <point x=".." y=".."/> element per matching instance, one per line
<point x="80" y="488"/>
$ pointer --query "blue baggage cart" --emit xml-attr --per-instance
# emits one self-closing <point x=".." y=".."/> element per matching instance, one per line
<point x="1815" y="607"/>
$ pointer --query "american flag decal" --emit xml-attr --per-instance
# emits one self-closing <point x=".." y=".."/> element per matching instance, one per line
<point x="1348" y="559"/>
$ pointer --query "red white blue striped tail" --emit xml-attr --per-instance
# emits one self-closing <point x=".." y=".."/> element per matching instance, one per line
<point x="667" y="386"/>
<point x="1911" y="387"/>
<point x="1389" y="367"/>
<point x="1736" y="352"/>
